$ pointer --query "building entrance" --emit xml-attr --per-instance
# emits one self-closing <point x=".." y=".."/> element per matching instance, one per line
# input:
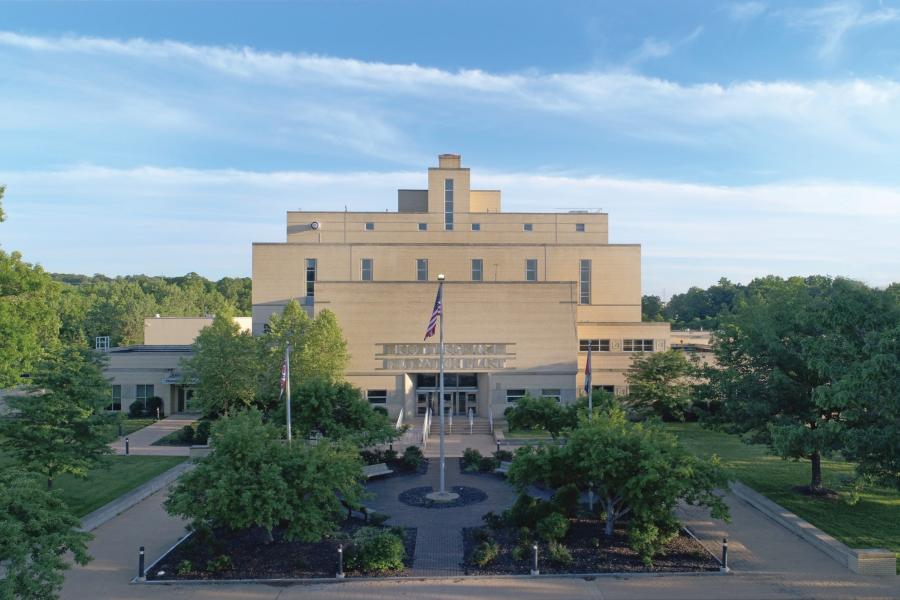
<point x="460" y="393"/>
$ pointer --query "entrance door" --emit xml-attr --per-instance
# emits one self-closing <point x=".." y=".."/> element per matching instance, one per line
<point x="180" y="399"/>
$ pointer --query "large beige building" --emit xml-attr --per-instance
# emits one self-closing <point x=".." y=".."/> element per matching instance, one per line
<point x="526" y="295"/>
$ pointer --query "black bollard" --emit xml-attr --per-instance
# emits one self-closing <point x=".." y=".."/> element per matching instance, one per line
<point x="535" y="570"/>
<point x="141" y="563"/>
<point x="340" y="573"/>
<point x="725" y="554"/>
<point x="126" y="446"/>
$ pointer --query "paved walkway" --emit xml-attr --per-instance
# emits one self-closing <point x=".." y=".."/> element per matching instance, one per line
<point x="439" y="544"/>
<point x="456" y="443"/>
<point x="768" y="562"/>
<point x="140" y="441"/>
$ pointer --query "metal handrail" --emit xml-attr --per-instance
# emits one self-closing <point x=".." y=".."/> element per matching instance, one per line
<point x="426" y="425"/>
<point x="399" y="423"/>
<point x="471" y="420"/>
<point x="491" y="418"/>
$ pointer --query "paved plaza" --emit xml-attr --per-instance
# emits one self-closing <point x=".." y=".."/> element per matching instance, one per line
<point x="140" y="442"/>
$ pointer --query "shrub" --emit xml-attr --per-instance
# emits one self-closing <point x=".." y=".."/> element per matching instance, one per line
<point x="380" y="409"/>
<point x="187" y="434"/>
<point x="136" y="409"/>
<point x="559" y="554"/>
<point x="201" y="435"/>
<point x="493" y="520"/>
<point x="155" y="403"/>
<point x="566" y="499"/>
<point x="487" y="464"/>
<point x="390" y="456"/>
<point x="485" y="553"/>
<point x="371" y="457"/>
<point x="527" y="511"/>
<point x="185" y="567"/>
<point x="503" y="456"/>
<point x="376" y="550"/>
<point x="481" y="535"/>
<point x="471" y="457"/>
<point x="553" y="527"/>
<point x="412" y="458"/>
<point x="522" y="552"/>
<point x="377" y="518"/>
<point x="220" y="563"/>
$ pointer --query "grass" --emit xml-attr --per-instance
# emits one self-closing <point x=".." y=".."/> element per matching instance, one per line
<point x="872" y="523"/>
<point x="537" y="434"/>
<point x="129" y="426"/>
<point x="102" y="485"/>
<point x="171" y="439"/>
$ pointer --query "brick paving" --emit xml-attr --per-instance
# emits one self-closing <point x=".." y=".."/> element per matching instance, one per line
<point x="439" y="544"/>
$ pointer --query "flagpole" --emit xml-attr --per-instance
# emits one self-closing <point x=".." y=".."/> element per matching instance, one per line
<point x="287" y="386"/>
<point x="588" y="388"/>
<point x="441" y="400"/>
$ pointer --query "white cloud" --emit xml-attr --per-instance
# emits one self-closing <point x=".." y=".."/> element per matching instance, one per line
<point x="833" y="21"/>
<point x="744" y="11"/>
<point x="651" y="48"/>
<point x="160" y="220"/>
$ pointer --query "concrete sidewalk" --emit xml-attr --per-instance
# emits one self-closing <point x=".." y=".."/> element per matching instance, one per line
<point x="140" y="442"/>
<point x="768" y="562"/>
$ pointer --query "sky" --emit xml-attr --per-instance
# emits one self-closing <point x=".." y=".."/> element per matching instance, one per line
<point x="729" y="139"/>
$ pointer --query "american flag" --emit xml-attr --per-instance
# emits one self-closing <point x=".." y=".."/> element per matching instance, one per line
<point x="283" y="378"/>
<point x="435" y="313"/>
<point x="587" y="373"/>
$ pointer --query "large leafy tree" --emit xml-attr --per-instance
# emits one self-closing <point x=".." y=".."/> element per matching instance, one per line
<point x="61" y="427"/>
<point x="255" y="480"/>
<point x="37" y="533"/>
<point x="637" y="470"/>
<point x="2" y="214"/>
<point x="781" y="354"/>
<point x="544" y="414"/>
<point x="652" y="308"/>
<point x="29" y="325"/>
<point x="224" y="369"/>
<point x="661" y="383"/>
<point x="337" y="410"/>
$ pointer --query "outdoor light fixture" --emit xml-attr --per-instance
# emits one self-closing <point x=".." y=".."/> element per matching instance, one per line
<point x="440" y="277"/>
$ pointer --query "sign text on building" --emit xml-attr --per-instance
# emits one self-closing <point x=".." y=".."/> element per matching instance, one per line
<point x="426" y="357"/>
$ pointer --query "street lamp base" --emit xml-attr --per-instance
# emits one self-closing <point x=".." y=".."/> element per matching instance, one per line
<point x="442" y="496"/>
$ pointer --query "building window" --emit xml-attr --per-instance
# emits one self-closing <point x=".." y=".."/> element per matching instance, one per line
<point x="514" y="395"/>
<point x="370" y="226"/>
<point x="116" y="402"/>
<point x="554" y="393"/>
<point x="423" y="226"/>
<point x="611" y="389"/>
<point x="377" y="396"/>
<point x="476" y="226"/>
<point x="593" y="345"/>
<point x="144" y="393"/>
<point x="310" y="277"/>
<point x="528" y="227"/>
<point x="448" y="204"/>
<point x="637" y="345"/>
<point x="530" y="269"/>
<point x="579" y="226"/>
<point x="421" y="269"/>
<point x="365" y="271"/>
<point x="585" y="281"/>
<point x="477" y="269"/>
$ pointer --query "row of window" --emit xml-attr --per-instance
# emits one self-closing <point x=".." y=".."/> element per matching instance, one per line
<point x="448" y="220"/>
<point x="632" y="345"/>
<point x="143" y="392"/>
<point x="512" y="395"/>
<point x="367" y="273"/>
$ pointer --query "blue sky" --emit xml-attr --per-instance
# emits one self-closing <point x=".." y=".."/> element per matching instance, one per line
<point x="730" y="139"/>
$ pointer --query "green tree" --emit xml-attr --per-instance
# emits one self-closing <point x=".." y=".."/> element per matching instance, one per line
<point x="781" y="354"/>
<point x="2" y="214"/>
<point x="542" y="414"/>
<point x="60" y="427"/>
<point x="255" y="480"/>
<point x="652" y="308"/>
<point x="636" y="470"/>
<point x="37" y="531"/>
<point x="224" y="369"/>
<point x="699" y="308"/>
<point x="661" y="383"/>
<point x="337" y="410"/>
<point x="29" y="326"/>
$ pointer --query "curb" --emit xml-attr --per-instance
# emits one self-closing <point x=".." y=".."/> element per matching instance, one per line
<point x="109" y="511"/>
<point x="869" y="561"/>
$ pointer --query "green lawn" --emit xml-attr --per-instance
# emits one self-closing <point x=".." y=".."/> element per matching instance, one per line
<point x="537" y="434"/>
<point x="872" y="523"/>
<point x="129" y="426"/>
<point x="123" y="474"/>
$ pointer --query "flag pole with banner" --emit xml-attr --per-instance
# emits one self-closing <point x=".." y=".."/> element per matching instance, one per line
<point x="587" y="384"/>
<point x="437" y="313"/>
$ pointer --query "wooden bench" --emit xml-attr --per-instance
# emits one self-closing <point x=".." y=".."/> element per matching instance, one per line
<point x="503" y="469"/>
<point x="377" y="470"/>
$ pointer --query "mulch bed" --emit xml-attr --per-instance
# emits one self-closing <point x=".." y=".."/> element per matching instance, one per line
<point x="252" y="558"/>
<point x="417" y="497"/>
<point x="591" y="553"/>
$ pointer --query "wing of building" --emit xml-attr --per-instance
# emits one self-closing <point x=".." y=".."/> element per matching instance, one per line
<point x="526" y="295"/>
